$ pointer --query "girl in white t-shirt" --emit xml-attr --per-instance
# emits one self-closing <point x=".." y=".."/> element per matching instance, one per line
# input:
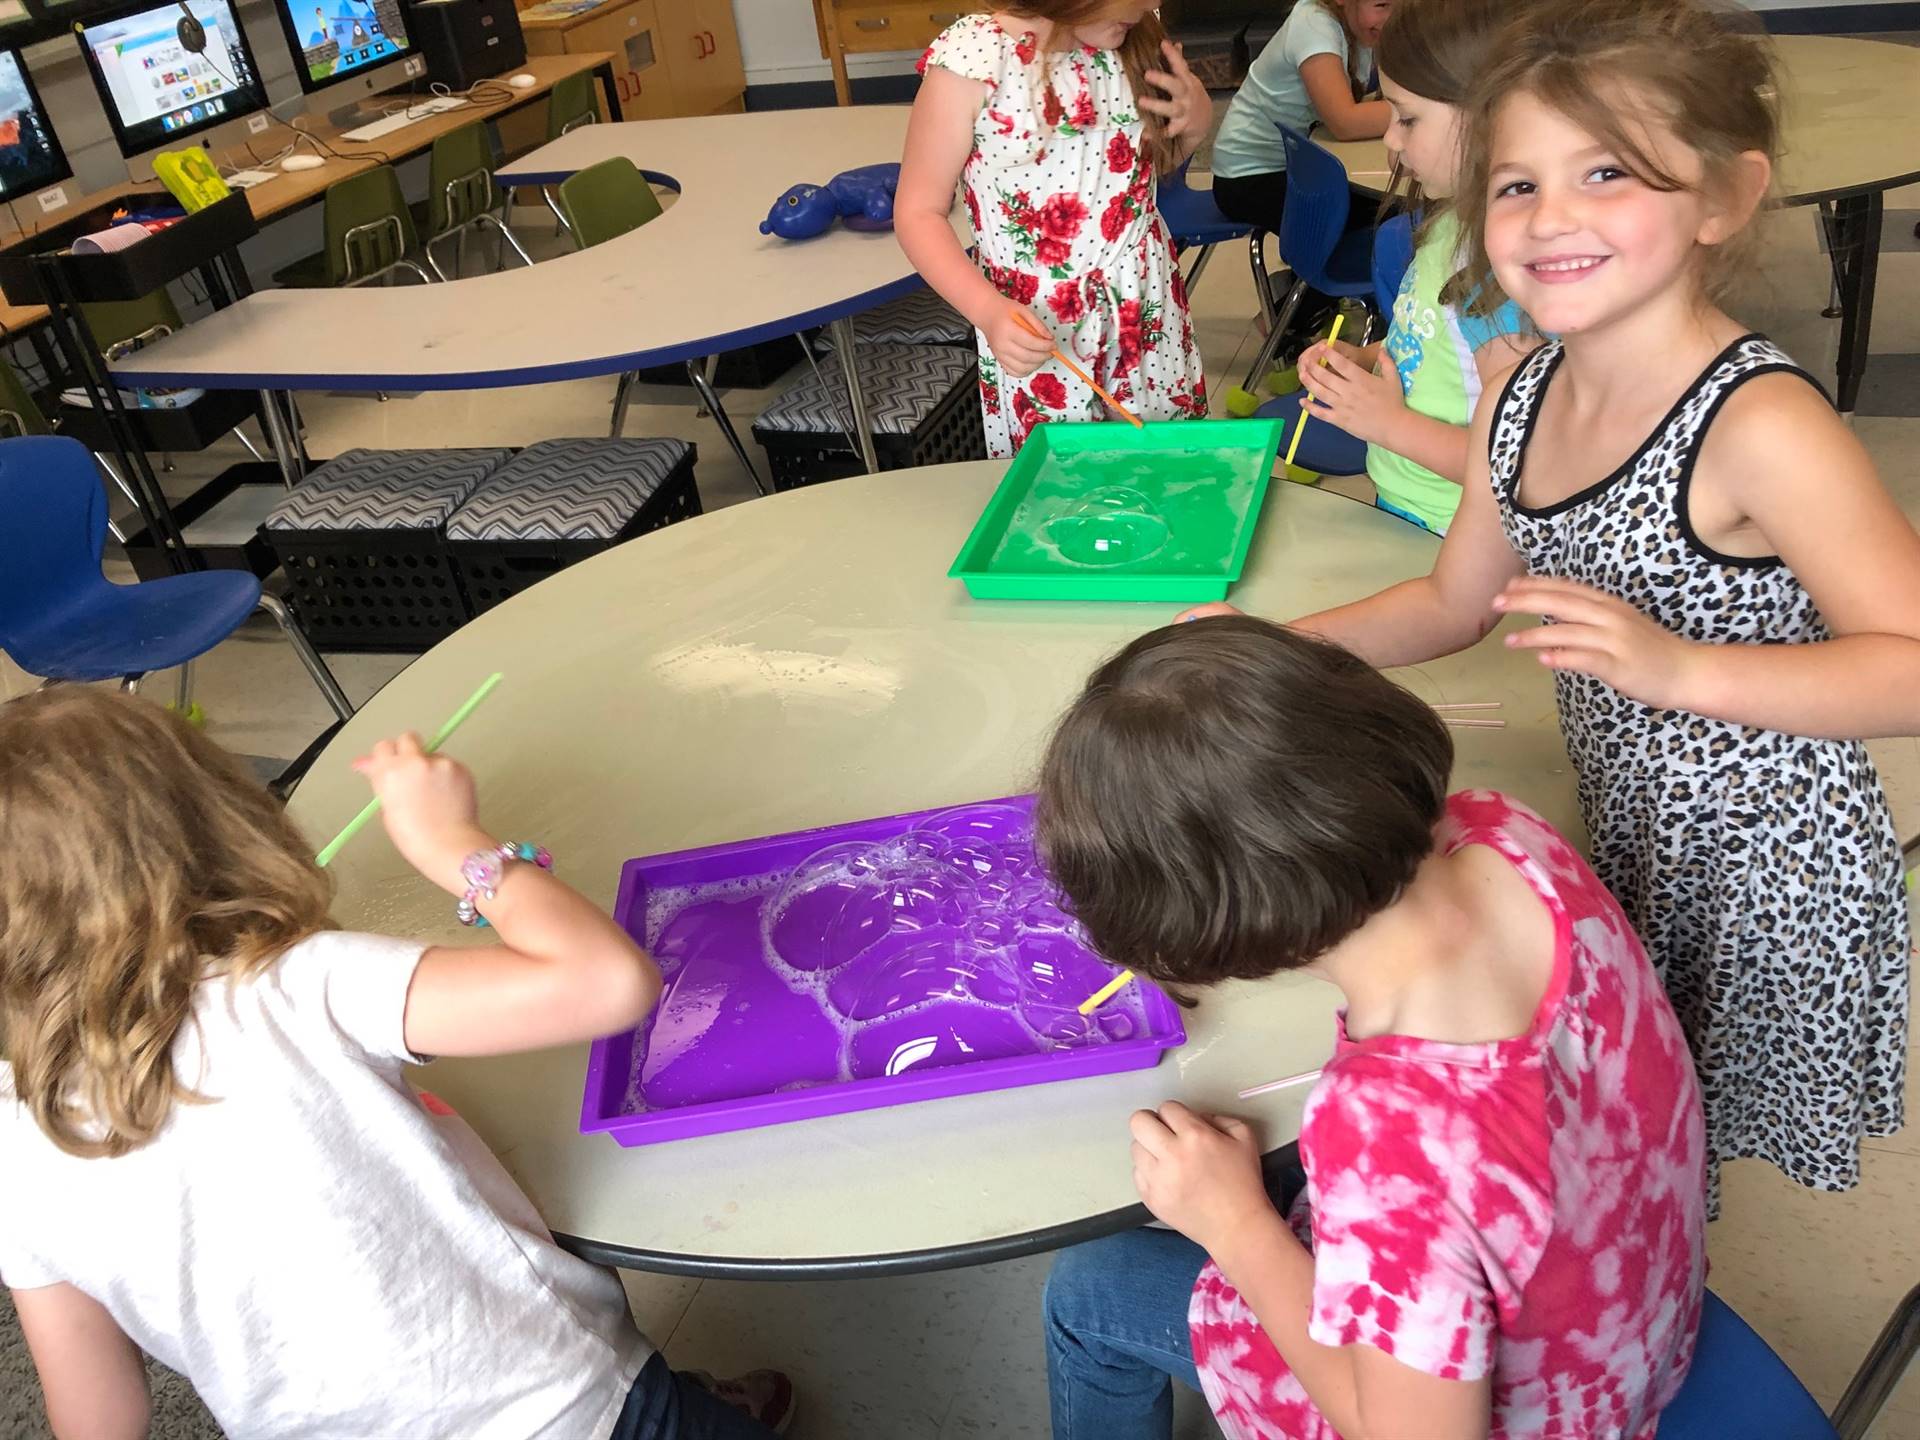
<point x="210" y="1150"/>
<point x="1311" y="73"/>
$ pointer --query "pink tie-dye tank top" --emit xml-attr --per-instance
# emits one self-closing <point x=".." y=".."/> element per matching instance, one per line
<point x="1530" y="1210"/>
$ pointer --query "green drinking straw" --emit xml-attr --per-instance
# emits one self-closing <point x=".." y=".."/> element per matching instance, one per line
<point x="440" y="737"/>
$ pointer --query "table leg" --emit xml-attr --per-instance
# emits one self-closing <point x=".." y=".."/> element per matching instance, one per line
<point x="703" y="386"/>
<point x="862" y="432"/>
<point x="286" y="447"/>
<point x="610" y="88"/>
<point x="842" y="90"/>
<point x="1856" y="247"/>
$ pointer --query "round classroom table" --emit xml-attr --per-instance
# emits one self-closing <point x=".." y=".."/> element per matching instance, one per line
<point x="698" y="280"/>
<point x="802" y="661"/>
<point x="1850" y="113"/>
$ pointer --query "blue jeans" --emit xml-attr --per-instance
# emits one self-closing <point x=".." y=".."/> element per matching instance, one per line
<point x="1116" y="1323"/>
<point x="664" y="1405"/>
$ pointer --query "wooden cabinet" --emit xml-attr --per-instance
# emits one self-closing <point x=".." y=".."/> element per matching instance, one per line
<point x="702" y="52"/>
<point x="853" y="27"/>
<point x="670" y="57"/>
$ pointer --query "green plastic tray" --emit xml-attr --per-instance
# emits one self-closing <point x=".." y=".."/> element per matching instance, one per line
<point x="1107" y="512"/>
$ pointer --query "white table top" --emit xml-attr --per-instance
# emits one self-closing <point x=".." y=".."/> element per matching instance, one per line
<point x="799" y="661"/>
<point x="1850" y="112"/>
<point x="698" y="280"/>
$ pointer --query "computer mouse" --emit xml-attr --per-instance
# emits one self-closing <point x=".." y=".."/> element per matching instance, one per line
<point x="522" y="81"/>
<point x="302" y="162"/>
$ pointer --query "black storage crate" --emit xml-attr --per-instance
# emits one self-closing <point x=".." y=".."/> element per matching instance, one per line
<point x="380" y="583"/>
<point x="135" y="272"/>
<point x="495" y="570"/>
<point x="923" y="403"/>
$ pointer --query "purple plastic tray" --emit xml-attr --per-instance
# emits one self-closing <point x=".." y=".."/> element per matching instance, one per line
<point x="860" y="965"/>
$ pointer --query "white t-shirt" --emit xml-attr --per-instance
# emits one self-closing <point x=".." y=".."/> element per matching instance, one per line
<point x="318" y="1254"/>
<point x="1273" y="92"/>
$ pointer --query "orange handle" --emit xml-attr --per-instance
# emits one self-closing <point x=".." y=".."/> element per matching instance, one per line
<point x="1033" y="328"/>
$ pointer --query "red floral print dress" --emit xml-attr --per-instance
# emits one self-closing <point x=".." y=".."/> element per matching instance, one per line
<point x="1532" y="1209"/>
<point x="1062" y="202"/>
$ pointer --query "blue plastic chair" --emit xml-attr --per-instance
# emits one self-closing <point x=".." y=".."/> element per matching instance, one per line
<point x="1315" y="243"/>
<point x="1195" y="221"/>
<point x="63" y="620"/>
<point x="1325" y="448"/>
<point x="1738" y="1386"/>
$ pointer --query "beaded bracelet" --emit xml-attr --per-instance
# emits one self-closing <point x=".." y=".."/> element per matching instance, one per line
<point x="482" y="871"/>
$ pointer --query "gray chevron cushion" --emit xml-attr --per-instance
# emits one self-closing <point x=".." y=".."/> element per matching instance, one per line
<point x="903" y="385"/>
<point x="385" y="490"/>
<point x="921" y="318"/>
<point x="568" y="490"/>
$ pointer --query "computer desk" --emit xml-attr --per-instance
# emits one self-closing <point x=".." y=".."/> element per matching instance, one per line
<point x="295" y="190"/>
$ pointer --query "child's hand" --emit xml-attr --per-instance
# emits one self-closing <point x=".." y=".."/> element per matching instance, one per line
<point x="1207" y="612"/>
<point x="1188" y="109"/>
<point x="1018" y="349"/>
<point x="429" y="806"/>
<point x="1347" y="392"/>
<point x="1197" y="1173"/>
<point x="1600" y="635"/>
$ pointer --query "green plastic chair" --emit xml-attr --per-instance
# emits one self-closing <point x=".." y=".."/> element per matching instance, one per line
<point x="571" y="103"/>
<point x="607" y="200"/>
<point x="20" y="413"/>
<point x="602" y="203"/>
<point x="461" y="195"/>
<point x="369" y="235"/>
<point x="114" y="322"/>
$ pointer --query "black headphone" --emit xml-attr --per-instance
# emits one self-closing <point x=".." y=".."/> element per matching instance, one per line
<point x="193" y="35"/>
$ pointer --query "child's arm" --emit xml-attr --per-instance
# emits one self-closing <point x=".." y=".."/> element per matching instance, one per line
<point x="1201" y="1175"/>
<point x="564" y="971"/>
<point x="90" y="1373"/>
<point x="1450" y="608"/>
<point x="1781" y="468"/>
<point x="1330" y="89"/>
<point x="939" y="139"/>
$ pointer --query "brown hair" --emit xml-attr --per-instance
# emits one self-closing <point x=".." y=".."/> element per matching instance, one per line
<point x="141" y="859"/>
<point x="1704" y="73"/>
<point x="1229" y="798"/>
<point x="1139" y="53"/>
<point x="1338" y="9"/>
<point x="1434" y="48"/>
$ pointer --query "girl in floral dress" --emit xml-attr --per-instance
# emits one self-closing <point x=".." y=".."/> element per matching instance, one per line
<point x="1051" y="119"/>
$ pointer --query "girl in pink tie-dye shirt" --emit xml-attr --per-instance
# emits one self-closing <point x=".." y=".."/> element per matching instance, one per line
<point x="1501" y="1228"/>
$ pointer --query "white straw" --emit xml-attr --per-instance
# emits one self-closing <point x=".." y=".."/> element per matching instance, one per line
<point x="1301" y="1079"/>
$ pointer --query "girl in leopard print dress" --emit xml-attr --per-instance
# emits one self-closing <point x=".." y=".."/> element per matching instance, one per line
<point x="1731" y="598"/>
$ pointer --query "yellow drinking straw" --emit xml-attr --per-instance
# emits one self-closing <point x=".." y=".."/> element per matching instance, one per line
<point x="1105" y="993"/>
<point x="1301" y="423"/>
<point x="441" y="736"/>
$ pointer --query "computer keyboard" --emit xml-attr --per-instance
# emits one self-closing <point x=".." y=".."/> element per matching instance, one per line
<point x="400" y="119"/>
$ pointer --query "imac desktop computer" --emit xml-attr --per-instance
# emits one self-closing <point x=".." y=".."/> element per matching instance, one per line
<point x="32" y="164"/>
<point x="346" y="54"/>
<point x="160" y="95"/>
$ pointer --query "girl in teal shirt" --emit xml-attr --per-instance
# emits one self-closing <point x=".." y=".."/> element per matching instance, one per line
<point x="1413" y="412"/>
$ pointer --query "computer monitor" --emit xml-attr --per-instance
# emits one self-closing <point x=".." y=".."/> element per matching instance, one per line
<point x="346" y="51"/>
<point x="31" y="160"/>
<point x="158" y="94"/>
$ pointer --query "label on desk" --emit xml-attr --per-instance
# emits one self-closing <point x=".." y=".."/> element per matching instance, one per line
<point x="52" y="200"/>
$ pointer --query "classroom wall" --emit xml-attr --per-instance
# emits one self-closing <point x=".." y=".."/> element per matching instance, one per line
<point x="780" y="46"/>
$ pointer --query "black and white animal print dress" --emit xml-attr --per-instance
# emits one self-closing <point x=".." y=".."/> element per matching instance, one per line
<point x="1761" y="869"/>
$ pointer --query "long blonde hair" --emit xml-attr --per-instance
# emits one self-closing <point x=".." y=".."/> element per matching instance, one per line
<point x="141" y="859"/>
<point x="1704" y="71"/>
<point x="1139" y="53"/>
